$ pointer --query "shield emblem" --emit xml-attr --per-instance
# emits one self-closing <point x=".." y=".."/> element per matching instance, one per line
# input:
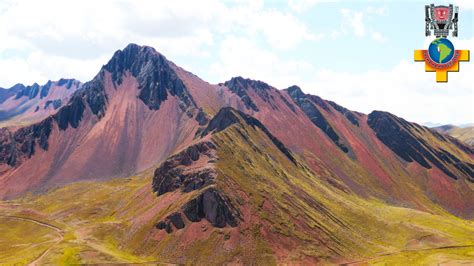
<point x="441" y="13"/>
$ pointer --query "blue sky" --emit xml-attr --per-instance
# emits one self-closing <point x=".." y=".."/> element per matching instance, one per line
<point x="357" y="53"/>
<point x="400" y="23"/>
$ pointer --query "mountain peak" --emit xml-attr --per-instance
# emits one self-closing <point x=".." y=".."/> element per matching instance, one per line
<point x="17" y="86"/>
<point x="229" y="116"/>
<point x="445" y="128"/>
<point x="294" y="89"/>
<point x="240" y="86"/>
<point x="7" y="93"/>
<point x="154" y="73"/>
<point x="226" y="117"/>
<point x="133" y="56"/>
<point x="240" y="83"/>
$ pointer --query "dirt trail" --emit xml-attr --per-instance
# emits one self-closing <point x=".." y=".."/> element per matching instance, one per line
<point x="364" y="261"/>
<point x="56" y="229"/>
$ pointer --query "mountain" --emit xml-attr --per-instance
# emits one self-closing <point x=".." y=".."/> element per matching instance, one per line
<point x="23" y="105"/>
<point x="7" y="93"/>
<point x="466" y="125"/>
<point x="147" y="163"/>
<point x="464" y="134"/>
<point x="431" y="124"/>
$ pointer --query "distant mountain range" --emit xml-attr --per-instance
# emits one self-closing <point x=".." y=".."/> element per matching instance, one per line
<point x="464" y="134"/>
<point x="431" y="125"/>
<point x="148" y="163"/>
<point x="23" y="105"/>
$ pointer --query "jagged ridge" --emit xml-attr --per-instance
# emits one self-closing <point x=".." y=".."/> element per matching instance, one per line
<point x="228" y="116"/>
<point x="171" y="175"/>
<point x="306" y="103"/>
<point x="155" y="77"/>
<point x="400" y="137"/>
<point x="153" y="72"/>
<point x="241" y="86"/>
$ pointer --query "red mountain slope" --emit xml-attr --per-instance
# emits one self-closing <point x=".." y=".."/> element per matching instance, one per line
<point x="141" y="108"/>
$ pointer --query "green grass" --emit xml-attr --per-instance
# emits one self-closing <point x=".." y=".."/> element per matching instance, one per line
<point x="348" y="225"/>
<point x="453" y="255"/>
<point x="292" y="215"/>
<point x="69" y="257"/>
<point x="22" y="241"/>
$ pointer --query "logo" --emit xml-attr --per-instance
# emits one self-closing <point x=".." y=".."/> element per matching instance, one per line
<point x="441" y="57"/>
<point x="441" y="13"/>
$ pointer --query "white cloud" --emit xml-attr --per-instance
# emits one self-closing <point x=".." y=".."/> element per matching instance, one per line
<point x="39" y="67"/>
<point x="282" y="31"/>
<point x="50" y="39"/>
<point x="241" y="56"/>
<point x="353" y="20"/>
<point x="81" y="36"/>
<point x="381" y="11"/>
<point x="304" y="5"/>
<point x="356" y="22"/>
<point x="405" y="90"/>
<point x="377" y="36"/>
<point x="91" y="30"/>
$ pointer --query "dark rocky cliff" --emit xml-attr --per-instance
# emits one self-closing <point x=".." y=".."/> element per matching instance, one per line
<point x="308" y="104"/>
<point x="405" y="140"/>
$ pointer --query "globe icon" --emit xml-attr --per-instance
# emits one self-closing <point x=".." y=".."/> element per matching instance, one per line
<point x="441" y="50"/>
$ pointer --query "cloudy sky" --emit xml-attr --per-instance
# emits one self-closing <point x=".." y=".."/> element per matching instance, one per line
<point x="357" y="53"/>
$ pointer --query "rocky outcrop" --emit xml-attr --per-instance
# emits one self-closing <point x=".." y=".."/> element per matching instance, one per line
<point x="213" y="207"/>
<point x="16" y="146"/>
<point x="173" y="175"/>
<point x="156" y="79"/>
<point x="240" y="86"/>
<point x="202" y="118"/>
<point x="92" y="95"/>
<point x="55" y="103"/>
<point x="7" y="93"/>
<point x="43" y="91"/>
<point x="296" y="93"/>
<point x="29" y="91"/>
<point x="346" y="112"/>
<point x="287" y="103"/>
<point x="183" y="172"/>
<point x="68" y="83"/>
<point x="174" y="220"/>
<point x="210" y="205"/>
<point x="405" y="140"/>
<point x="308" y="104"/>
<point x="71" y="114"/>
<point x="228" y="116"/>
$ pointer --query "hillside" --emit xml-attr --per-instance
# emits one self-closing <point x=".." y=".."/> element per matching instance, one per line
<point x="147" y="163"/>
<point x="464" y="134"/>
<point x="277" y="216"/>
